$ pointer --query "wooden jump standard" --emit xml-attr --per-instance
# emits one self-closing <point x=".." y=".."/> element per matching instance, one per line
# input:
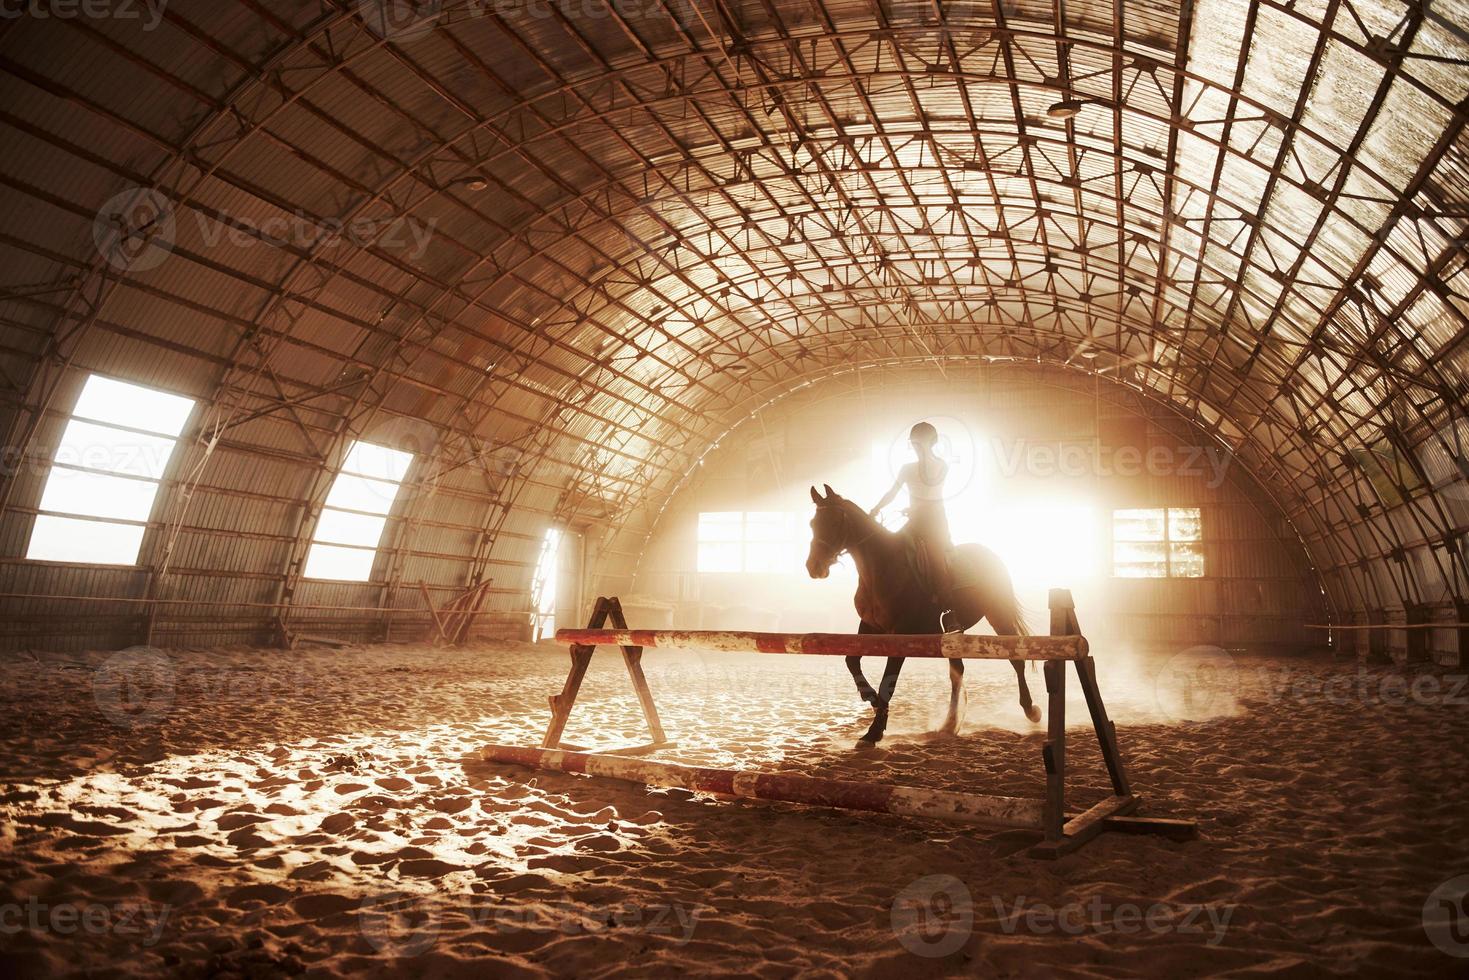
<point x="1063" y="831"/>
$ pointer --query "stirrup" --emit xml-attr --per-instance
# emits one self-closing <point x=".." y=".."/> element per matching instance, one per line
<point x="949" y="622"/>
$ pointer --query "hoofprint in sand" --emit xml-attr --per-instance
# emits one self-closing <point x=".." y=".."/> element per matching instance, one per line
<point x="259" y="812"/>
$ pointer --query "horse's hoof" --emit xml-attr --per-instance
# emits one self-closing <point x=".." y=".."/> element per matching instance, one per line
<point x="874" y="733"/>
<point x="1033" y="713"/>
<point x="864" y="744"/>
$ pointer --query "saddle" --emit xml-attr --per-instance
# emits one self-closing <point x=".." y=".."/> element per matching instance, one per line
<point x="943" y="574"/>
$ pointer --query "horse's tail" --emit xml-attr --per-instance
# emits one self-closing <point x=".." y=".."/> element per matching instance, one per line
<point x="1022" y="628"/>
<point x="1006" y="604"/>
<point x="1016" y="612"/>
<point x="1011" y="607"/>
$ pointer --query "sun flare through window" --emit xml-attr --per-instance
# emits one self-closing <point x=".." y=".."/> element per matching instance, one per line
<point x="543" y="584"/>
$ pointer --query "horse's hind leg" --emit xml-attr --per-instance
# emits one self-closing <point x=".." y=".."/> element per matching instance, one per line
<point x="956" y="698"/>
<point x="1032" y="712"/>
<point x="1008" y="627"/>
<point x="968" y="610"/>
<point x="885" y="698"/>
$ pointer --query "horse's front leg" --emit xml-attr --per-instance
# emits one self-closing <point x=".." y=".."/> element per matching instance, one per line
<point x="854" y="667"/>
<point x="885" y="698"/>
<point x="1032" y="712"/>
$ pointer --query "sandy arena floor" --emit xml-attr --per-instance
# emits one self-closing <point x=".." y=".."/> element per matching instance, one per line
<point x="228" y="812"/>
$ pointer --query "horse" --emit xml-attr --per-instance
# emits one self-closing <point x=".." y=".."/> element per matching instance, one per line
<point x="890" y="598"/>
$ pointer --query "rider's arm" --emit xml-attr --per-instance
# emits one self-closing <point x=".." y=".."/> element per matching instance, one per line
<point x="887" y="498"/>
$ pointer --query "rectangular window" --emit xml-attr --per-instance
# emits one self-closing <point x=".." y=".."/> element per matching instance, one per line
<point x="350" y="529"/>
<point x="1162" y="542"/>
<point x="543" y="584"/>
<point x="106" y="472"/>
<point x="768" y="542"/>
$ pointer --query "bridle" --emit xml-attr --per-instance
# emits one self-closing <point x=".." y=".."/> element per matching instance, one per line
<point x="837" y="552"/>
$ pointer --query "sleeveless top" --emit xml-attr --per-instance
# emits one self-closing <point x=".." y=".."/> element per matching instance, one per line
<point x="925" y="486"/>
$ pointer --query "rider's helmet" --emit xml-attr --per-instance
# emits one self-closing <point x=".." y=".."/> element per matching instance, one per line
<point x="924" y="434"/>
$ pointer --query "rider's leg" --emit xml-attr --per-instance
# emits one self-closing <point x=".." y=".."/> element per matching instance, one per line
<point x="934" y="548"/>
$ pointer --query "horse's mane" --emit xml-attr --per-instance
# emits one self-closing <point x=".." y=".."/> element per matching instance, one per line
<point x="859" y="513"/>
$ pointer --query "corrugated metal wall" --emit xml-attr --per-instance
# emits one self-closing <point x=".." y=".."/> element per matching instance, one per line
<point x="229" y="578"/>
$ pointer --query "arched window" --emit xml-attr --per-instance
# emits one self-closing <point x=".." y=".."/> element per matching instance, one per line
<point x="356" y="512"/>
<point x="105" y="473"/>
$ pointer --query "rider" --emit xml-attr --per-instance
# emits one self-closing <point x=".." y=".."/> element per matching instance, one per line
<point x="927" y="523"/>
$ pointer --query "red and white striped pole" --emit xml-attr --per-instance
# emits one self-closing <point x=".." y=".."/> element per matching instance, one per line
<point x="842" y="794"/>
<point x="949" y="646"/>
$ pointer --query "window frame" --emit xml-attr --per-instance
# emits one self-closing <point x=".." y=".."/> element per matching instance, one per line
<point x="776" y="527"/>
<point x="352" y="469"/>
<point x="1165" y="542"/>
<point x="162" y="433"/>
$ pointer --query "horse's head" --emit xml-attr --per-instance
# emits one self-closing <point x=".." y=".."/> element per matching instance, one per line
<point x="829" y="530"/>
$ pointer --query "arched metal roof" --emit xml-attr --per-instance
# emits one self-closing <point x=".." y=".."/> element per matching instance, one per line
<point x="586" y="236"/>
